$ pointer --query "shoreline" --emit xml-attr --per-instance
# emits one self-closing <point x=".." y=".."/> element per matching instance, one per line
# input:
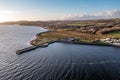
<point x="35" y="46"/>
<point x="48" y="43"/>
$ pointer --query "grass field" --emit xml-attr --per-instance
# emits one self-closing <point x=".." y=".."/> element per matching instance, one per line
<point x="78" y="24"/>
<point x="115" y="34"/>
<point x="56" y="35"/>
<point x="80" y="37"/>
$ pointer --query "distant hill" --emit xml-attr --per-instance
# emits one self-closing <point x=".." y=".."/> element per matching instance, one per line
<point x="85" y="26"/>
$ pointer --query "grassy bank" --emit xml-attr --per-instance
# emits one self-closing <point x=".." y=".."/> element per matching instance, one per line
<point x="59" y="35"/>
<point x="115" y="34"/>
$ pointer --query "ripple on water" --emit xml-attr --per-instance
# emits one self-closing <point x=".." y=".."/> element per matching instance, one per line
<point x="56" y="62"/>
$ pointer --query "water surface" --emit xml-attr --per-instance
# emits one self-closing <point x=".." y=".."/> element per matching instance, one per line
<point x="57" y="62"/>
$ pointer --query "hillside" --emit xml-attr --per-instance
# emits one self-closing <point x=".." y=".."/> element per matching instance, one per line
<point x="85" y="26"/>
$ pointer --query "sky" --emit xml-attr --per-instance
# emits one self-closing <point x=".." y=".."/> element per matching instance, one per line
<point x="43" y="10"/>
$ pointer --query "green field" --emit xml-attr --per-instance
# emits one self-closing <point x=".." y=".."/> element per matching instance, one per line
<point x="57" y="35"/>
<point x="77" y="24"/>
<point x="115" y="34"/>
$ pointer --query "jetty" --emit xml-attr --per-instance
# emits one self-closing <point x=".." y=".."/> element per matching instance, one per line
<point x="34" y="47"/>
<point x="31" y="48"/>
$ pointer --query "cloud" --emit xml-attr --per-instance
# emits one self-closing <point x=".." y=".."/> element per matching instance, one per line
<point x="99" y="15"/>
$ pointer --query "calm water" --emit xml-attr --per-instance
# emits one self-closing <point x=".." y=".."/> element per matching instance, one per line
<point x="57" y="62"/>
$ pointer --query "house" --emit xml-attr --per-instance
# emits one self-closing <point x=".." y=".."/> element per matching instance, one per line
<point x="111" y="41"/>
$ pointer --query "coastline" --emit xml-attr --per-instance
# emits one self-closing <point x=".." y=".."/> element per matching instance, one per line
<point x="33" y="47"/>
<point x="46" y="44"/>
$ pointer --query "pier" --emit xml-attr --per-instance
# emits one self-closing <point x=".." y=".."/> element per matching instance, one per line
<point x="34" y="47"/>
<point x="31" y="48"/>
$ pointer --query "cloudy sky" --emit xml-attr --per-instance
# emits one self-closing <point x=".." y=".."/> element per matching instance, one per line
<point x="12" y="10"/>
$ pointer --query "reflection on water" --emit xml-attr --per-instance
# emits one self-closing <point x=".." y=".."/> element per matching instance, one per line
<point x="57" y="62"/>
